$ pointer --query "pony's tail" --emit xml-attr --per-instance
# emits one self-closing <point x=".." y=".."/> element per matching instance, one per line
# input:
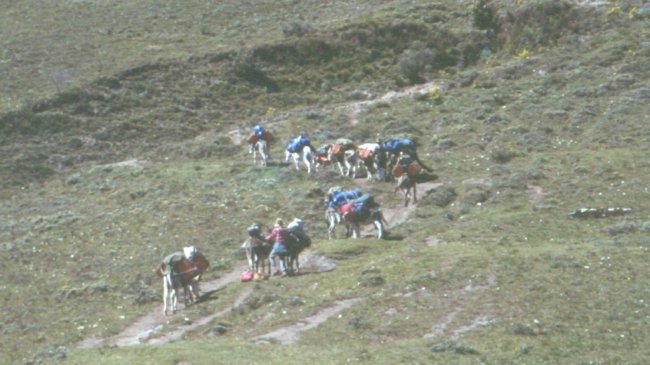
<point x="422" y="163"/>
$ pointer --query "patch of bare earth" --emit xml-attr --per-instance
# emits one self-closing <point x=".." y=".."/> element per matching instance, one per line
<point x="400" y="214"/>
<point x="291" y="334"/>
<point x="355" y="108"/>
<point x="450" y="324"/>
<point x="536" y="194"/>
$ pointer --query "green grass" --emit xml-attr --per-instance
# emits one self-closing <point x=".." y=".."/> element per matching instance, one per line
<point x="70" y="43"/>
<point x="553" y="303"/>
<point x="507" y="278"/>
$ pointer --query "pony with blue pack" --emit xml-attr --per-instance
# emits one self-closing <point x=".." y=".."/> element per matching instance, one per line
<point x="259" y="145"/>
<point x="300" y="149"/>
<point x="335" y="199"/>
<point x="363" y="210"/>
<point x="395" y="147"/>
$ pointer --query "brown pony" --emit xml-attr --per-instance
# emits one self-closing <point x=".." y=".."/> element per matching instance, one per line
<point x="344" y="153"/>
<point x="186" y="273"/>
<point x="407" y="180"/>
<point x="353" y="221"/>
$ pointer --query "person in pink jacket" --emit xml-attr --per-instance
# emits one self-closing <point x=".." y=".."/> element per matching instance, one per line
<point x="278" y="235"/>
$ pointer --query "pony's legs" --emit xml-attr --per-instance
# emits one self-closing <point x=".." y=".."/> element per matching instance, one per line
<point x="165" y="295"/>
<point x="307" y="160"/>
<point x="415" y="195"/>
<point x="380" y="229"/>
<point x="356" y="230"/>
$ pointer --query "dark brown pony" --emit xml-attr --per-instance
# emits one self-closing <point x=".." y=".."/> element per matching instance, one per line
<point x="353" y="221"/>
<point x="407" y="180"/>
<point x="186" y="274"/>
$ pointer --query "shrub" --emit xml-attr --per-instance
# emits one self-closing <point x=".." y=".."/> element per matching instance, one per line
<point x="414" y="62"/>
<point x="484" y="16"/>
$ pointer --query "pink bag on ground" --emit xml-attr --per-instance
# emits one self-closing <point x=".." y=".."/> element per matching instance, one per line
<point x="246" y="276"/>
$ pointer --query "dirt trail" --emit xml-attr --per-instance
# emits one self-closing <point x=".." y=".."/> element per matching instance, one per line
<point x="399" y="214"/>
<point x="290" y="334"/>
<point x="149" y="328"/>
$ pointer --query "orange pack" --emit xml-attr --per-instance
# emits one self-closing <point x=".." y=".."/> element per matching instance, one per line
<point x="398" y="170"/>
<point x="414" y="169"/>
<point x="337" y="149"/>
<point x="365" y="154"/>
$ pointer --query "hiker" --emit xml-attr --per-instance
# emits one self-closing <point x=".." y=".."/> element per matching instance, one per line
<point x="278" y="235"/>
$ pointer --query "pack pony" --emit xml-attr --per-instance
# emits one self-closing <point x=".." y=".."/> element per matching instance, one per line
<point x="260" y="151"/>
<point x="297" y="243"/>
<point x="407" y="184"/>
<point x="257" y="254"/>
<point x="367" y="158"/>
<point x="363" y="210"/>
<point x="344" y="153"/>
<point x="394" y="148"/>
<point x="300" y="149"/>
<point x="406" y="171"/>
<point x="181" y="270"/>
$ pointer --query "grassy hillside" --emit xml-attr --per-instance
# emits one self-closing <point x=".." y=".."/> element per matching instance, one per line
<point x="533" y="109"/>
<point x="51" y="47"/>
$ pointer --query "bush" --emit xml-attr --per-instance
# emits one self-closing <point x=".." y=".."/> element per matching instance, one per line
<point x="414" y="62"/>
<point x="484" y="17"/>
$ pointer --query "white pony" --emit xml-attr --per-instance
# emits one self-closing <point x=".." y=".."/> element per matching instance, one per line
<point x="333" y="218"/>
<point x="306" y="155"/>
<point x="350" y="161"/>
<point x="260" y="151"/>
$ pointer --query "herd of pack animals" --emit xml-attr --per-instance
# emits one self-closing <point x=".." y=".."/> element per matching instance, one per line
<point x="393" y="158"/>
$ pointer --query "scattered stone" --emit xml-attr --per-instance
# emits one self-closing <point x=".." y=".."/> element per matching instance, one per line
<point x="600" y="212"/>
<point x="52" y="354"/>
<point x="454" y="347"/>
<point x="440" y="196"/>
<point x="220" y="329"/>
<point x="73" y="179"/>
